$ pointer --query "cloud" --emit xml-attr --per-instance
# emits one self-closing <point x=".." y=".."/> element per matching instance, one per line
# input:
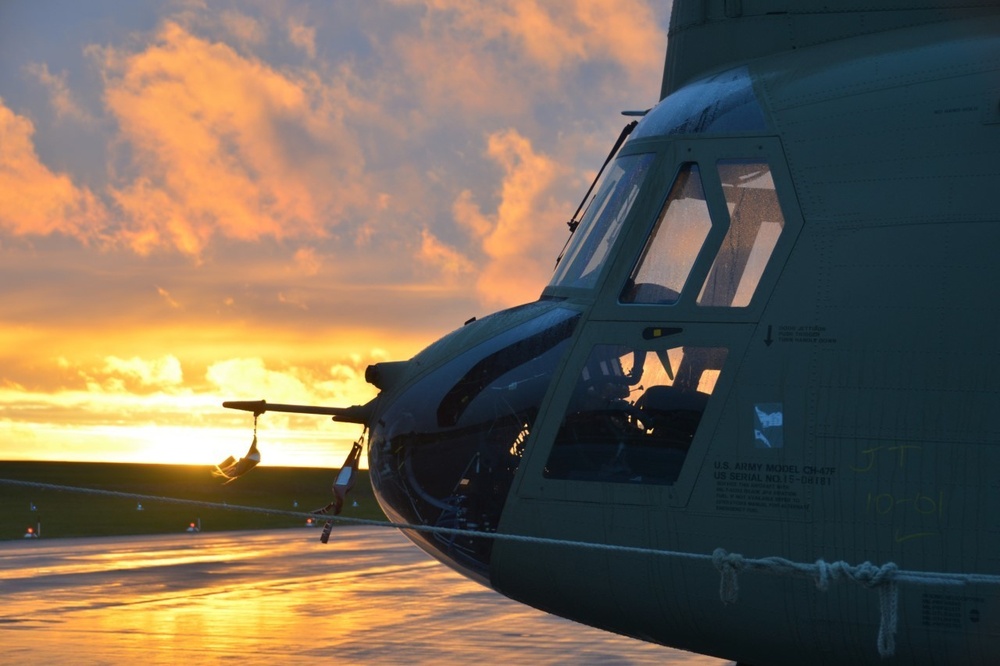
<point x="224" y="144"/>
<point x="294" y="299"/>
<point x="33" y="199"/>
<point x="450" y="71"/>
<point x="514" y="64"/>
<point x="108" y="378"/>
<point x="515" y="240"/>
<point x="60" y="95"/>
<point x="625" y="32"/>
<point x="342" y="384"/>
<point x="303" y="37"/>
<point x="446" y="259"/>
<point x="557" y="36"/>
<point x="543" y="31"/>
<point x="167" y="298"/>
<point x="307" y="261"/>
<point x="246" y="29"/>
<point x="158" y="372"/>
<point x="218" y="141"/>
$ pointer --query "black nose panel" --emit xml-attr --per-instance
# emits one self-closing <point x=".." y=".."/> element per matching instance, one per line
<point x="444" y="451"/>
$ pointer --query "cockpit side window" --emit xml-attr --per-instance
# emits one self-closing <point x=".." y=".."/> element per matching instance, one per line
<point x="634" y="414"/>
<point x="755" y="223"/>
<point x="674" y="243"/>
<point x="602" y="221"/>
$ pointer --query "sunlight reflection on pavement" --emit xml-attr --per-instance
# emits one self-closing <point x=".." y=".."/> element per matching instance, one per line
<point x="275" y="597"/>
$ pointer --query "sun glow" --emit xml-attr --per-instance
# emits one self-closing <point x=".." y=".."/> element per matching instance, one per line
<point x="177" y="426"/>
<point x="187" y="445"/>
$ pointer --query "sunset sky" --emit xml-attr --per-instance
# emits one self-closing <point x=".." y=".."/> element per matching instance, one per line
<point x="205" y="201"/>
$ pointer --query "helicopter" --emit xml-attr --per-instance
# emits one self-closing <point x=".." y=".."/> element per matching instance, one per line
<point x="754" y="413"/>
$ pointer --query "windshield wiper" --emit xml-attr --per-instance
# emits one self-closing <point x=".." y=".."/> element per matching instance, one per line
<point x="574" y="222"/>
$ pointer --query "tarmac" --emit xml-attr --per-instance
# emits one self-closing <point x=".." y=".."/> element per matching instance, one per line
<point x="276" y="597"/>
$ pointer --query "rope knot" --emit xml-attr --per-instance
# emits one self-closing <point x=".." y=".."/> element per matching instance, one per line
<point x="827" y="572"/>
<point x="883" y="578"/>
<point x="824" y="573"/>
<point x="871" y="575"/>
<point x="729" y="565"/>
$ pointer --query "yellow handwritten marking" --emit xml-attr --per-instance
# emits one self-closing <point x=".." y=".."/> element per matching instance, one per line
<point x="872" y="458"/>
<point x="902" y="451"/>
<point x="916" y="535"/>
<point x="925" y="505"/>
<point x="929" y="507"/>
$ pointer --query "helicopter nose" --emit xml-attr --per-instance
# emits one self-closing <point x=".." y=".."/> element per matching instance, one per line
<point x="445" y="445"/>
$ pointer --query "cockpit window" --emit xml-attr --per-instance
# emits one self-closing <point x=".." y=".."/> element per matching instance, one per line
<point x="634" y="414"/>
<point x="602" y="221"/>
<point x="755" y="222"/>
<point x="673" y="246"/>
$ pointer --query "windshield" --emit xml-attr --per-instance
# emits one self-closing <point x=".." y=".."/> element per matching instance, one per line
<point x="602" y="221"/>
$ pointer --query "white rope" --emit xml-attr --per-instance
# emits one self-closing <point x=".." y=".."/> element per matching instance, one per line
<point x="884" y="578"/>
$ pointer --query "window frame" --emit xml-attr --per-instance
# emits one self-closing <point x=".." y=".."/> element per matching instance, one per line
<point x="534" y="484"/>
<point x="706" y="152"/>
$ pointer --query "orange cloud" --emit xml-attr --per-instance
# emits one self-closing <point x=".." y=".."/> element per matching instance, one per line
<point x="160" y="372"/>
<point x="165" y="295"/>
<point x="246" y="29"/>
<point x="446" y="259"/>
<point x="303" y="37"/>
<point x="544" y="31"/>
<point x="558" y="36"/>
<point x="307" y="262"/>
<point x="483" y="59"/>
<point x="520" y="237"/>
<point x="341" y="384"/>
<point x="33" y="199"/>
<point x="60" y="96"/>
<point x="452" y="73"/>
<point x="627" y="32"/>
<point x="227" y="145"/>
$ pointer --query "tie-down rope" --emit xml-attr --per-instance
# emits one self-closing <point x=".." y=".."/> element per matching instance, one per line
<point x="884" y="578"/>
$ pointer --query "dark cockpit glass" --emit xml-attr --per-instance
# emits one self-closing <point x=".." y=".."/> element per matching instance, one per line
<point x="634" y="413"/>
<point x="444" y="453"/>
<point x="591" y="245"/>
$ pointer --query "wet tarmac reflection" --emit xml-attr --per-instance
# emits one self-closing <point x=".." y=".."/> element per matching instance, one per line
<point x="276" y="597"/>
